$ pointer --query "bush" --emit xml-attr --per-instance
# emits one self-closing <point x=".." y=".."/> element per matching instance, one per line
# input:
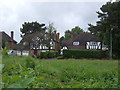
<point x="60" y="57"/>
<point x="49" y="54"/>
<point x="30" y="63"/>
<point x="4" y="51"/>
<point x="73" y="53"/>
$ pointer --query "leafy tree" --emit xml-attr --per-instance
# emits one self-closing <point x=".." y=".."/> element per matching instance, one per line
<point x="33" y="34"/>
<point x="67" y="34"/>
<point x="50" y="34"/>
<point x="109" y="23"/>
<point x="31" y="27"/>
<point x="75" y="31"/>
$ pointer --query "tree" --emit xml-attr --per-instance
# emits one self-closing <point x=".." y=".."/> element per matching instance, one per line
<point x="67" y="34"/>
<point x="31" y="27"/>
<point x="108" y="24"/>
<point x="75" y="31"/>
<point x="50" y="34"/>
<point x="33" y="35"/>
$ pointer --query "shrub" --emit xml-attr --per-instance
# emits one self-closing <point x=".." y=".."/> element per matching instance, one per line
<point x="60" y="57"/>
<point x="49" y="54"/>
<point x="73" y="53"/>
<point x="4" y="51"/>
<point x="30" y="63"/>
<point x="44" y="55"/>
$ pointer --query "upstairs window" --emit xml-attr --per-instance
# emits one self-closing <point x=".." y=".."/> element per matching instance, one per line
<point x="76" y="43"/>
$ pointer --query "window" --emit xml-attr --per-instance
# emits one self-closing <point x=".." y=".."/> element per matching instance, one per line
<point x="93" y="45"/>
<point x="76" y="43"/>
<point x="26" y="53"/>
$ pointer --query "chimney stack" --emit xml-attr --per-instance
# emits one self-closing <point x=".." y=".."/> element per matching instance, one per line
<point x="58" y="36"/>
<point x="12" y="35"/>
<point x="71" y="36"/>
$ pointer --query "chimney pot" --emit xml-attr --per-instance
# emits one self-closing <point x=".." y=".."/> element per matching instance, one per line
<point x="12" y="33"/>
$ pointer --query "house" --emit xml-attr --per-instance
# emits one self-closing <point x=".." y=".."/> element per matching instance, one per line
<point x="84" y="40"/>
<point x="7" y="41"/>
<point x="28" y="48"/>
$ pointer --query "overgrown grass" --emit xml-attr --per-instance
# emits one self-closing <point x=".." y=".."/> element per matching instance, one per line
<point x="27" y="72"/>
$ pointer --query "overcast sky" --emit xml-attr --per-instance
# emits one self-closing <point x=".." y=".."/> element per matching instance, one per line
<point x="64" y="15"/>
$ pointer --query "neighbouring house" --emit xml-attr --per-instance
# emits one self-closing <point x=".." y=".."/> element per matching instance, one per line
<point x="84" y="40"/>
<point x="26" y="48"/>
<point x="7" y="41"/>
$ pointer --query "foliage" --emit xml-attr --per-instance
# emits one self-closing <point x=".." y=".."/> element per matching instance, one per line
<point x="30" y="63"/>
<point x="5" y="44"/>
<point x="50" y="34"/>
<point x="109" y="23"/>
<point x="59" y="73"/>
<point x="61" y="39"/>
<point x="33" y="34"/>
<point x="67" y="35"/>
<point x="4" y="51"/>
<point x="31" y="27"/>
<point x="48" y="54"/>
<point x="75" y="31"/>
<point x="73" y="53"/>
<point x="60" y="57"/>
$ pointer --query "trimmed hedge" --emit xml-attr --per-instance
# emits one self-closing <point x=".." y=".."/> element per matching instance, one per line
<point x="48" y="54"/>
<point x="77" y="54"/>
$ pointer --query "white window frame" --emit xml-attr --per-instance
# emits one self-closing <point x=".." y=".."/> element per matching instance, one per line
<point x="76" y="43"/>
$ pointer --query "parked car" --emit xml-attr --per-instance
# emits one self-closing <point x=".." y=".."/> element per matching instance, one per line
<point x="12" y="52"/>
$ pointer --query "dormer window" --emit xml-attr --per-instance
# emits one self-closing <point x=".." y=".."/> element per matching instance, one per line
<point x="76" y="43"/>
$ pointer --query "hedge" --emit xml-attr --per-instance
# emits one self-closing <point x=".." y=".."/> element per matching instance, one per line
<point x="77" y="54"/>
<point x="48" y="54"/>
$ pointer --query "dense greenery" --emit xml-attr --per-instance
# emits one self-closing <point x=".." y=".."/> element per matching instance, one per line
<point x="27" y="72"/>
<point x="48" y="54"/>
<point x="33" y="35"/>
<point x="109" y="23"/>
<point x="4" y="51"/>
<point x="31" y="27"/>
<point x="73" y="53"/>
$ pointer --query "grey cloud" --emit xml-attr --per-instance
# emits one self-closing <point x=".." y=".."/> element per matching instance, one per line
<point x="64" y="15"/>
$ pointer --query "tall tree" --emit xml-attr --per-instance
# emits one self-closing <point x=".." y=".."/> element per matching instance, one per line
<point x="31" y="27"/>
<point x="67" y="35"/>
<point x="108" y="24"/>
<point x="50" y="34"/>
<point x="33" y="34"/>
<point x="75" y="31"/>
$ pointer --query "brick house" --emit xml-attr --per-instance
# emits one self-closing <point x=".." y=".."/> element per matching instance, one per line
<point x="84" y="40"/>
<point x="7" y="41"/>
<point x="22" y="49"/>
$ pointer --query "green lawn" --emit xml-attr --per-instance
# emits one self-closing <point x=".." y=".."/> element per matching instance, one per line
<point x="27" y="72"/>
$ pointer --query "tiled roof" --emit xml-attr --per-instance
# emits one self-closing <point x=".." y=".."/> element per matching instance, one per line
<point x="83" y="37"/>
<point x="20" y="46"/>
<point x="6" y="37"/>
